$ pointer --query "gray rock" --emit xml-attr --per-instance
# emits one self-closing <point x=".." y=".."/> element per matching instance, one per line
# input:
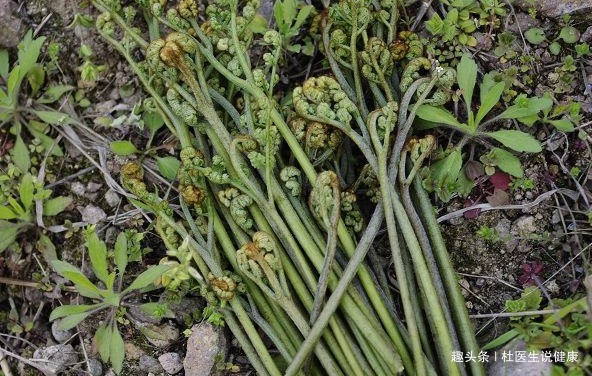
<point x="95" y="367"/>
<point x="205" y="346"/>
<point x="557" y="8"/>
<point x="497" y="367"/>
<point x="57" y="357"/>
<point x="60" y="335"/>
<point x="171" y="363"/>
<point x="522" y="22"/>
<point x="77" y="188"/>
<point x="524" y="226"/>
<point x="149" y="364"/>
<point x="92" y="214"/>
<point x="159" y="335"/>
<point x="112" y="198"/>
<point x="13" y="28"/>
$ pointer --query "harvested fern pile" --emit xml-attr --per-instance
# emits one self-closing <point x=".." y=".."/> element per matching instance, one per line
<point x="267" y="225"/>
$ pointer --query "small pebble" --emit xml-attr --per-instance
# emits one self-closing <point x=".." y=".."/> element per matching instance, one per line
<point x="171" y="363"/>
<point x="60" y="335"/>
<point x="149" y="364"/>
<point x="78" y="188"/>
<point x="112" y="198"/>
<point x="92" y="214"/>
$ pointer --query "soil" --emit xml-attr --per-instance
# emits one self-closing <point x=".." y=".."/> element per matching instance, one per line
<point x="489" y="269"/>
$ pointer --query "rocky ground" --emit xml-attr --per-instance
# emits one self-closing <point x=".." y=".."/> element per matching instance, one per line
<point x="540" y="233"/>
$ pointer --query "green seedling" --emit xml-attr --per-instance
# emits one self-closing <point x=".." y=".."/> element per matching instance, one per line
<point x="108" y="294"/>
<point x="19" y="213"/>
<point x="34" y="116"/>
<point x="446" y="173"/>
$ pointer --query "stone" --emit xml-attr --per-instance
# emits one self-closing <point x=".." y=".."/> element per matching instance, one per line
<point x="13" y="28"/>
<point x="171" y="363"/>
<point x="57" y="358"/>
<point x="112" y="198"/>
<point x="92" y="214"/>
<point x="500" y="368"/>
<point x="60" y="336"/>
<point x="78" y="189"/>
<point x="524" y="226"/>
<point x="522" y="22"/>
<point x="95" y="367"/>
<point x="557" y="8"/>
<point x="159" y="335"/>
<point x="206" y="345"/>
<point x="133" y="352"/>
<point x="149" y="364"/>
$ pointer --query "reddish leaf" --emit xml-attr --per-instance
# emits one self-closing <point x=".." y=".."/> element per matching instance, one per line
<point x="498" y="198"/>
<point x="473" y="213"/>
<point x="500" y="180"/>
<point x="474" y="170"/>
<point x="530" y="272"/>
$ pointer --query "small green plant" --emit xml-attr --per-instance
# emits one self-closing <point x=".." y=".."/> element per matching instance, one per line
<point x="445" y="175"/>
<point x="290" y="17"/>
<point x="564" y="333"/>
<point x="489" y="234"/>
<point x="17" y="214"/>
<point x="108" y="294"/>
<point x="32" y="116"/>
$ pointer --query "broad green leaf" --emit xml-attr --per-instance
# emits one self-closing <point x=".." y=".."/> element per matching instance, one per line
<point x="121" y="252"/>
<point x="14" y="83"/>
<point x="258" y="24"/>
<point x="489" y="100"/>
<point x="147" y="277"/>
<point x="501" y="340"/>
<point x="111" y="281"/>
<point x="28" y="53"/>
<point x="153" y="121"/>
<point x="47" y="248"/>
<point x="289" y="9"/>
<point x="61" y="267"/>
<point x="103" y="340"/>
<point x="435" y="24"/>
<point x="67" y="310"/>
<point x="516" y="140"/>
<point x="111" y="298"/>
<point x="563" y="124"/>
<point x="26" y="191"/>
<point x="117" y="352"/>
<point x="36" y="78"/>
<point x="439" y="115"/>
<point x="20" y="155"/>
<point x="97" y="251"/>
<point x="569" y="34"/>
<point x="4" y="64"/>
<point x="56" y="205"/>
<point x="83" y="285"/>
<point x="507" y="162"/>
<point x="540" y="103"/>
<point x="18" y="209"/>
<point x="168" y="166"/>
<point x="72" y="320"/>
<point x="54" y="117"/>
<point x="7" y="213"/>
<point x="8" y="232"/>
<point x="122" y="147"/>
<point x="278" y="14"/>
<point x="535" y="35"/>
<point x="47" y="142"/>
<point x="53" y="93"/>
<point x="302" y="16"/>
<point x="466" y="76"/>
<point x="446" y="171"/>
